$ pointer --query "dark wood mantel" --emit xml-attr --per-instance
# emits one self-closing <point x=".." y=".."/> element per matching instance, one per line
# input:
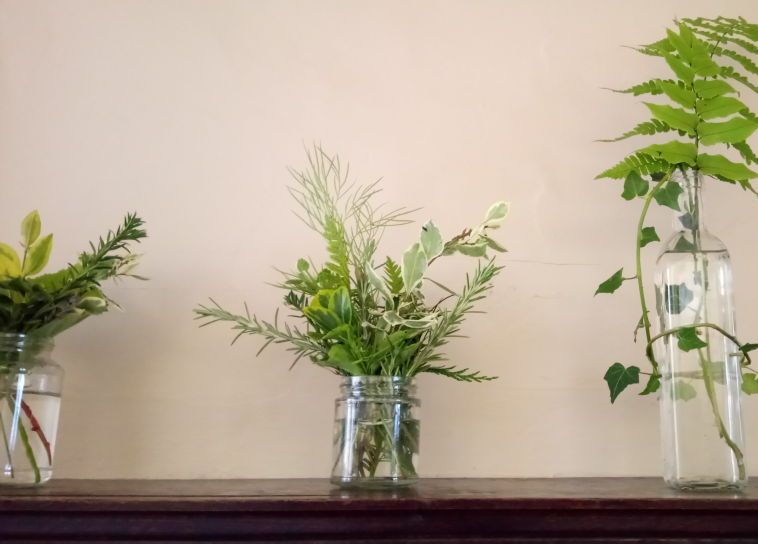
<point x="437" y="510"/>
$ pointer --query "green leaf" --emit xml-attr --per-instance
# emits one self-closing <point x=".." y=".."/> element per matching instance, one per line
<point x="720" y="106"/>
<point x="683" y="391"/>
<point x="413" y="267"/>
<point x="496" y="214"/>
<point x="648" y="235"/>
<point x="648" y="87"/>
<point x="619" y="378"/>
<point x="688" y="339"/>
<point x="746" y="152"/>
<point x="732" y="131"/>
<point x="379" y="284"/>
<point x="749" y="384"/>
<point x="654" y="126"/>
<point x="683" y="245"/>
<point x="393" y="276"/>
<point x="673" y="152"/>
<point x="339" y="303"/>
<point x="682" y="71"/>
<point x="748" y="347"/>
<point x="653" y="384"/>
<point x="677" y="297"/>
<point x="10" y="264"/>
<point x="634" y="186"/>
<point x="674" y="117"/>
<point x="679" y="94"/>
<point x="478" y="249"/>
<point x="431" y="241"/>
<point x="718" y="165"/>
<point x="38" y="255"/>
<point x="668" y="195"/>
<point x="640" y="162"/>
<point x="612" y="284"/>
<point x="494" y="245"/>
<point x="30" y="228"/>
<point x="710" y="88"/>
<point x="341" y="357"/>
<point x="302" y="265"/>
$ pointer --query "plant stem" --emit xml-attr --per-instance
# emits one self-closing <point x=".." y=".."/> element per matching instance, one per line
<point x="27" y="445"/>
<point x="638" y="260"/>
<point x="9" y="461"/>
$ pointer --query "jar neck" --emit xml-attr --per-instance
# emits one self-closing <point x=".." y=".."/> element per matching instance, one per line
<point x="689" y="217"/>
<point x="18" y="348"/>
<point x="377" y="386"/>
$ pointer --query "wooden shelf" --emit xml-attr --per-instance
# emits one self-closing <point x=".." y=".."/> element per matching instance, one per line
<point x="437" y="510"/>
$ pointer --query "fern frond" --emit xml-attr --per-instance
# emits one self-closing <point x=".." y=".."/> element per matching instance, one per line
<point x="654" y="126"/>
<point x="731" y="73"/>
<point x="338" y="249"/>
<point x="640" y="162"/>
<point x="746" y="152"/>
<point x="648" y="87"/>
<point x="393" y="276"/>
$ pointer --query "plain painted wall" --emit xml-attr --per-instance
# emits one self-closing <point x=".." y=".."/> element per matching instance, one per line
<point x="190" y="111"/>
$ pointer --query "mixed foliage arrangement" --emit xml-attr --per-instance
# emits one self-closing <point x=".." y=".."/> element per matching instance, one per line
<point x="706" y="113"/>
<point x="45" y="305"/>
<point x="708" y="59"/>
<point x="359" y="318"/>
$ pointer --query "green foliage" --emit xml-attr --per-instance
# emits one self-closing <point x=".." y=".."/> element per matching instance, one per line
<point x="749" y="384"/>
<point x="357" y="318"/>
<point x="612" y="284"/>
<point x="711" y="61"/>
<point x="620" y="377"/>
<point x="46" y="305"/>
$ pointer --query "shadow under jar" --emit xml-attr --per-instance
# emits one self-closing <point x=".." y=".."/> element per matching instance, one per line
<point x="30" y="394"/>
<point x="376" y="432"/>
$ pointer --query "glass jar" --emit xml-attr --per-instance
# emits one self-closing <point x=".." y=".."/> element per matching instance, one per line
<point x="376" y="432"/>
<point x="30" y="393"/>
<point x="701" y="423"/>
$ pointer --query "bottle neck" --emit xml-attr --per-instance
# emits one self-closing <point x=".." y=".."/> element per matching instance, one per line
<point x="689" y="217"/>
<point x="23" y="349"/>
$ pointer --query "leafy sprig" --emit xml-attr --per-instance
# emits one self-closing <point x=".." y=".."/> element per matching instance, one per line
<point x="48" y="304"/>
<point x="359" y="318"/>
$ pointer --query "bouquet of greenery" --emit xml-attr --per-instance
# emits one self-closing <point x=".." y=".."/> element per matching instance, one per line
<point x="44" y="305"/>
<point x="358" y="318"/>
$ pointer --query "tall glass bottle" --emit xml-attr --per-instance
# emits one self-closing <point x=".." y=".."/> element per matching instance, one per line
<point x="701" y="423"/>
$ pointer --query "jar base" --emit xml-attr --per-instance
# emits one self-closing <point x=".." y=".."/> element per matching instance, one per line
<point x="25" y="478"/>
<point x="706" y="485"/>
<point x="373" y="483"/>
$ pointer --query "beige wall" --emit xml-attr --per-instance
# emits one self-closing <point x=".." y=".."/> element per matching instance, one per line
<point x="189" y="112"/>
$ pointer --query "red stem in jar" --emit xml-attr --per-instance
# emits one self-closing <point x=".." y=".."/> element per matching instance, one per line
<point x="37" y="429"/>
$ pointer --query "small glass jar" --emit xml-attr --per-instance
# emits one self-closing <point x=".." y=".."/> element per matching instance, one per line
<point x="376" y="432"/>
<point x="30" y="394"/>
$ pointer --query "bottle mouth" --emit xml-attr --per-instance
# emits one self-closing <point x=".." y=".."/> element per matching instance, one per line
<point x="20" y="343"/>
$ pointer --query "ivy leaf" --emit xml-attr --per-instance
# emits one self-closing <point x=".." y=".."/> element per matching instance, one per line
<point x="674" y="117"/>
<point x="634" y="186"/>
<point x="653" y="384"/>
<point x="689" y="339"/>
<point x="711" y="88"/>
<point x="610" y="285"/>
<point x="38" y="255"/>
<point x="619" y="378"/>
<point x="648" y="235"/>
<point x="732" y="131"/>
<point x="668" y="195"/>
<point x="684" y="245"/>
<point x="30" y="228"/>
<point x="749" y="384"/>
<point x="748" y="347"/>
<point x="718" y="165"/>
<point x="674" y="152"/>
<point x="720" y="106"/>
<point x="684" y="391"/>
<point x="677" y="297"/>
<point x="431" y="241"/>
<point x="10" y="264"/>
<point x="413" y="267"/>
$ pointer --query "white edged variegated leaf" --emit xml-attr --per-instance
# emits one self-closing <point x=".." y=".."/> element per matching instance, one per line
<point x="431" y="241"/>
<point x="496" y="215"/>
<point x="413" y="267"/>
<point x="380" y="285"/>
